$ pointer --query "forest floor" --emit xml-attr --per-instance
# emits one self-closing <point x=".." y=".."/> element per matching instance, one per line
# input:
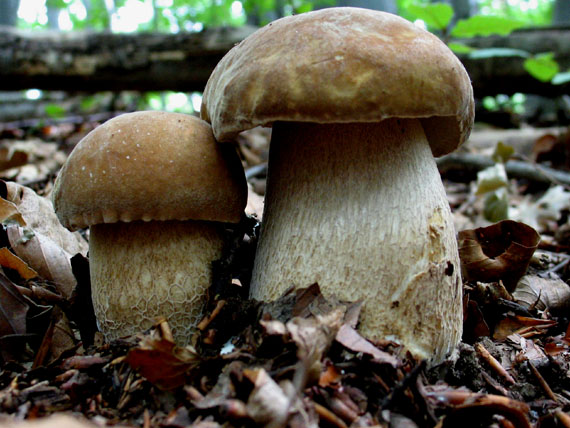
<point x="299" y="361"/>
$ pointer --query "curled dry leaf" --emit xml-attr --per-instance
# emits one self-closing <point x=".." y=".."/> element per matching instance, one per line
<point x="542" y="293"/>
<point x="501" y="251"/>
<point x="39" y="239"/>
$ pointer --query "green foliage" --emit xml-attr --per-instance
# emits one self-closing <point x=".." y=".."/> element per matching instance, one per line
<point x="460" y="48"/>
<point x="435" y="15"/>
<point x="496" y="206"/>
<point x="480" y="25"/>
<point x="55" y="111"/>
<point x="531" y="12"/>
<point x="542" y="66"/>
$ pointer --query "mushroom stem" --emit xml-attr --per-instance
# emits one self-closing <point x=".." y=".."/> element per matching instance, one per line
<point x="361" y="210"/>
<point x="141" y="271"/>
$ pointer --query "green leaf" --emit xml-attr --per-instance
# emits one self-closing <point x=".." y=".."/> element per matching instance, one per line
<point x="460" y="48"/>
<point x="561" y="78"/>
<point x="542" y="66"/>
<point x="307" y="7"/>
<point x="485" y="25"/>
<point x="435" y="15"/>
<point x="497" y="52"/>
<point x="55" y="111"/>
<point x="496" y="206"/>
<point x="503" y="152"/>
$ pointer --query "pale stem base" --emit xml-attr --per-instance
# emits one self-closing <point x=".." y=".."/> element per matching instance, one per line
<point x="142" y="271"/>
<point x="360" y="209"/>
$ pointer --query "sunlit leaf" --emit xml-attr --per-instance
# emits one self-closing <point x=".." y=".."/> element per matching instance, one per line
<point x="561" y="78"/>
<point x="480" y="25"/>
<point x="435" y="15"/>
<point x="503" y="152"/>
<point x="491" y="178"/>
<point x="55" y="111"/>
<point x="542" y="67"/>
<point x="460" y="48"/>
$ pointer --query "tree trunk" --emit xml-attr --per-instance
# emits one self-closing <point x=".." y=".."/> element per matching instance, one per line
<point x="561" y="15"/>
<point x="184" y="61"/>
<point x="9" y="12"/>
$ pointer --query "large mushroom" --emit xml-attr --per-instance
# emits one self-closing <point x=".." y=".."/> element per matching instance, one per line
<point x="360" y="101"/>
<point x="155" y="190"/>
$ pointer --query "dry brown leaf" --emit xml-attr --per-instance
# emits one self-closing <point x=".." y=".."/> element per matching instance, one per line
<point x="9" y="213"/>
<point x="542" y="293"/>
<point x="162" y="362"/>
<point x="349" y="338"/>
<point x="40" y="217"/>
<point x="524" y="326"/>
<point x="39" y="239"/>
<point x="501" y="251"/>
<point x="515" y="411"/>
<point x="267" y="402"/>
<point x="45" y="257"/>
<point x="11" y="261"/>
<point x="13" y="308"/>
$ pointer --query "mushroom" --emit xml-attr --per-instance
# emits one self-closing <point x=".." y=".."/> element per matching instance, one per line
<point x="360" y="101"/>
<point x="155" y="190"/>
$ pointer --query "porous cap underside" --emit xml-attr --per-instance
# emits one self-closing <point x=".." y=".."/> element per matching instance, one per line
<point x="150" y="166"/>
<point x="341" y="65"/>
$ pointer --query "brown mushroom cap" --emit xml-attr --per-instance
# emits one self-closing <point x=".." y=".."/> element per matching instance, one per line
<point x="341" y="65"/>
<point x="150" y="166"/>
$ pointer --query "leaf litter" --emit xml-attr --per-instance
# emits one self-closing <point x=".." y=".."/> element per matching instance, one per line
<point x="297" y="362"/>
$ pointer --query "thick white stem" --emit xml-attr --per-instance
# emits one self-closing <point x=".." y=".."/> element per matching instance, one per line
<point x="142" y="271"/>
<point x="361" y="210"/>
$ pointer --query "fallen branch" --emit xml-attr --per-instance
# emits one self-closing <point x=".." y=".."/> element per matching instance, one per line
<point x="515" y="169"/>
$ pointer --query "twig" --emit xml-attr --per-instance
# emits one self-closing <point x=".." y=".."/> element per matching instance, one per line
<point x="564" y="418"/>
<point x="542" y="382"/>
<point x="328" y="416"/>
<point x="493" y="363"/>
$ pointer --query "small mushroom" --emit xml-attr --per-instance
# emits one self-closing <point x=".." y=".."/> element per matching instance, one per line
<point x="155" y="190"/>
<point x="359" y="101"/>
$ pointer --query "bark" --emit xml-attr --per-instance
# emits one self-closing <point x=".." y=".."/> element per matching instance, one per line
<point x="183" y="62"/>
<point x="90" y="62"/>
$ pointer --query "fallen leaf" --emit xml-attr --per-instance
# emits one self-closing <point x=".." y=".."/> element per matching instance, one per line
<point x="524" y="326"/>
<point x="45" y="257"/>
<point x="267" y="402"/>
<point x="13" y="308"/>
<point x="11" y="261"/>
<point x="351" y="339"/>
<point x="40" y="217"/>
<point x="501" y="251"/>
<point x="533" y="291"/>
<point x="162" y="362"/>
<point x="513" y="410"/>
<point x="547" y="208"/>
